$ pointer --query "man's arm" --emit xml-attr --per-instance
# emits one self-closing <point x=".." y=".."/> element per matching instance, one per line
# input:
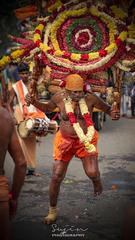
<point x="12" y="95"/>
<point x="102" y="105"/>
<point x="44" y="107"/>
<point x="113" y="111"/>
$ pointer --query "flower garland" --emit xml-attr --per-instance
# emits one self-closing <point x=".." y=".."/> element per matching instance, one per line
<point x="84" y="138"/>
<point x="118" y="12"/>
<point x="93" y="60"/>
<point x="13" y="56"/>
<point x="54" y="6"/>
<point x="92" y="55"/>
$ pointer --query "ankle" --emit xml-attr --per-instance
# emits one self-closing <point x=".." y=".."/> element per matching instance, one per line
<point x="94" y="179"/>
<point x="52" y="209"/>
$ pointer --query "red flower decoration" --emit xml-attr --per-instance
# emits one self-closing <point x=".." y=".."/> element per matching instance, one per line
<point x="84" y="57"/>
<point x="118" y="42"/>
<point x="66" y="55"/>
<point x="102" y="53"/>
<point x="37" y="31"/>
<point x="72" y="118"/>
<point x="88" y="119"/>
<point x="83" y="38"/>
<point x="51" y="51"/>
<point x="42" y="22"/>
<point x="37" y="43"/>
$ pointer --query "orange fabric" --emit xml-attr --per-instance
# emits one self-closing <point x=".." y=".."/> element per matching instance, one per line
<point x="28" y="144"/>
<point x="25" y="12"/>
<point x="66" y="148"/>
<point x="4" y="189"/>
<point x="27" y="114"/>
<point x="74" y="82"/>
<point x="21" y="94"/>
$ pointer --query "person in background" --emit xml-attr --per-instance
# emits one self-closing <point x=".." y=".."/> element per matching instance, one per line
<point x="132" y="94"/>
<point x="21" y="112"/>
<point x="76" y="136"/>
<point x="9" y="197"/>
<point x="124" y="99"/>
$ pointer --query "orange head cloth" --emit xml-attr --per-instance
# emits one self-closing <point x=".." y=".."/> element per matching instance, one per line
<point x="74" y="82"/>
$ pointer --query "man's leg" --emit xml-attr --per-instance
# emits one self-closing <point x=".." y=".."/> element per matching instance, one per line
<point x="4" y="221"/>
<point x="90" y="165"/>
<point x="15" y="151"/>
<point x="132" y="107"/>
<point x="59" y="172"/>
<point x="6" y="128"/>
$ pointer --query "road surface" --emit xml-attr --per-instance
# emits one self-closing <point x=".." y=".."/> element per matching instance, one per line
<point x="81" y="215"/>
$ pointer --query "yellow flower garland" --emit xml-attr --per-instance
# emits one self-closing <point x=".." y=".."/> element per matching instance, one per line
<point x="51" y="30"/>
<point x="84" y="138"/>
<point x="14" y="55"/>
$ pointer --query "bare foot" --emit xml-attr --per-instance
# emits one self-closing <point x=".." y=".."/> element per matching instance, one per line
<point x="97" y="186"/>
<point x="51" y="217"/>
<point x="48" y="220"/>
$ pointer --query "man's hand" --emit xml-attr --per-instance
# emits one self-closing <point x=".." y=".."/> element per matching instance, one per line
<point x="30" y="99"/>
<point x="115" y="113"/>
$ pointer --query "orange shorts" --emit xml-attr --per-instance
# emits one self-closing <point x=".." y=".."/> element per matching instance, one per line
<point x="4" y="189"/>
<point x="66" y="148"/>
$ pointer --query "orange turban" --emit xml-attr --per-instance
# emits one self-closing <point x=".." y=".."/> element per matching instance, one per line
<point x="74" y="82"/>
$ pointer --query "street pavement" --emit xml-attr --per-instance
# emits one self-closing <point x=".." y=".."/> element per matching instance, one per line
<point x="80" y="214"/>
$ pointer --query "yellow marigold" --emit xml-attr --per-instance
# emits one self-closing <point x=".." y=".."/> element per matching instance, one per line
<point x="53" y="7"/>
<point x="131" y="30"/>
<point x="36" y="37"/>
<point x="78" y="12"/>
<point x="118" y="12"/>
<point x="58" y="53"/>
<point x="75" y="56"/>
<point x="17" y="53"/>
<point x="55" y="43"/>
<point x="111" y="25"/>
<point x="111" y="37"/>
<point x="123" y="35"/>
<point x="111" y="47"/>
<point x="40" y="27"/>
<point x="44" y="47"/>
<point x="93" y="55"/>
<point x="94" y="11"/>
<point x="5" y="60"/>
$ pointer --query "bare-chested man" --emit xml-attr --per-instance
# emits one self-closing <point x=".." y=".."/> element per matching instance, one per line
<point x="9" y="199"/>
<point x="76" y="135"/>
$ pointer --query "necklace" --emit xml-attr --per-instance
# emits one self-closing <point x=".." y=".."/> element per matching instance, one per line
<point x="84" y="138"/>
